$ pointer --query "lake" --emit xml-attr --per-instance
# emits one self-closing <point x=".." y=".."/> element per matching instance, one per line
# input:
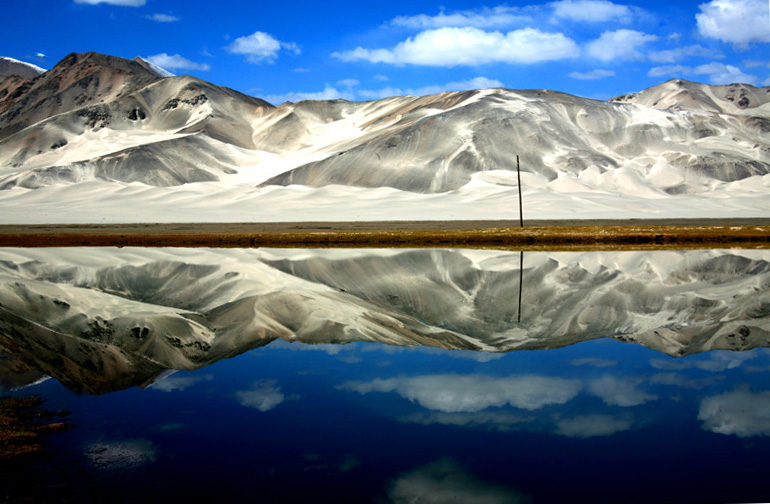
<point x="389" y="376"/>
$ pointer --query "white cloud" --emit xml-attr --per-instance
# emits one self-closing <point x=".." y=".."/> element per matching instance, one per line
<point x="593" y="74"/>
<point x="619" y="45"/>
<point x="329" y="93"/>
<point x="664" y="70"/>
<point x="172" y="382"/>
<point x="260" y="47"/>
<point x="591" y="426"/>
<point x="680" y="53"/>
<point x="445" y="482"/>
<point x="468" y="46"/>
<point x="369" y="94"/>
<point x="496" y="17"/>
<point x="371" y="55"/>
<point x="176" y="62"/>
<point x="622" y="392"/>
<point x="735" y="21"/>
<point x="348" y="82"/>
<point x="755" y="64"/>
<point x="263" y="396"/>
<point x="471" y="393"/>
<point x="741" y="413"/>
<point x="381" y="78"/>
<point x="720" y="73"/>
<point x="124" y="3"/>
<point x="593" y="11"/>
<point x="163" y="18"/>
<point x="475" y="83"/>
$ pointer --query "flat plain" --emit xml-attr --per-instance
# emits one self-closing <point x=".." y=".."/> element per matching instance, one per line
<point x="534" y="235"/>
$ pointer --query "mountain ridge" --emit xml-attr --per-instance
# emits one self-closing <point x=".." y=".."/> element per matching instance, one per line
<point x="99" y="119"/>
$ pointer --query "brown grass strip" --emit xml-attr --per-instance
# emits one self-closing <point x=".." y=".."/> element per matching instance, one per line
<point x="528" y="238"/>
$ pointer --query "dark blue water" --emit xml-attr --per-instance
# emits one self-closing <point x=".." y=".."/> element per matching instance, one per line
<point x="600" y="421"/>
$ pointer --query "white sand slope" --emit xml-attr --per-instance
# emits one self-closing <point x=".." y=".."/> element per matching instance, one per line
<point x="126" y="145"/>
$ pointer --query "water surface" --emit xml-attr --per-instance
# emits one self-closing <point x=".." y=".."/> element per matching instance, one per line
<point x="391" y="375"/>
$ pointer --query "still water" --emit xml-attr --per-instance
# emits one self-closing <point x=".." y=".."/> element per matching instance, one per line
<point x="390" y="376"/>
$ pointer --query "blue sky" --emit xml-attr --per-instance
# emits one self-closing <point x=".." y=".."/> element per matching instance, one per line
<point x="308" y="49"/>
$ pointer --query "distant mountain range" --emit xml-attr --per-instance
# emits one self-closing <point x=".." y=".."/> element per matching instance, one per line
<point x="101" y="122"/>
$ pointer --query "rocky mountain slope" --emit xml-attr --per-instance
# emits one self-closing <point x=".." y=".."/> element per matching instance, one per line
<point x="119" y="317"/>
<point x="100" y="121"/>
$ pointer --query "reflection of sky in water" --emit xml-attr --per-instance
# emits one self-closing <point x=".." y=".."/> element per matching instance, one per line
<point x="594" y="422"/>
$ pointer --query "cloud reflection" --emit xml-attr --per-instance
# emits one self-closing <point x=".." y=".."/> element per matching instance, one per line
<point x="264" y="396"/>
<point x="622" y="392"/>
<point x="170" y="382"/>
<point x="122" y="454"/>
<point x="472" y="393"/>
<point x="445" y="482"/>
<point x="718" y="361"/>
<point x="495" y="419"/>
<point x="742" y="413"/>
<point x="678" y="380"/>
<point x="594" y="362"/>
<point x="592" y="426"/>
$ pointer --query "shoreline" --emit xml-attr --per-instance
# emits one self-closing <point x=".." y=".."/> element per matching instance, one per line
<point x="535" y="235"/>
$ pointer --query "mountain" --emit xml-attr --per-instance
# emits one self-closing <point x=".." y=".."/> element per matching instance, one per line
<point x="438" y="143"/>
<point x="99" y="135"/>
<point x="76" y="81"/>
<point x="106" y="319"/>
<point x="13" y="67"/>
<point x="179" y="128"/>
<point x="678" y="94"/>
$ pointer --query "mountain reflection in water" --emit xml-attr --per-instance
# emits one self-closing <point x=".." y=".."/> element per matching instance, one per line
<point x="481" y="422"/>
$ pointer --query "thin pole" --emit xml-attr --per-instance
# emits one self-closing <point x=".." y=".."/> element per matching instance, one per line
<point x="521" y="279"/>
<point x="521" y="206"/>
<point x="521" y="223"/>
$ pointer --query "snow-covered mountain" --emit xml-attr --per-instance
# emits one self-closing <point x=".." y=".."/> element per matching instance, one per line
<point x="99" y="137"/>
<point x="101" y="319"/>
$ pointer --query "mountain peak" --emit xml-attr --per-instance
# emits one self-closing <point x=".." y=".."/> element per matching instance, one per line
<point x="681" y="94"/>
<point x="79" y="79"/>
<point x="86" y="63"/>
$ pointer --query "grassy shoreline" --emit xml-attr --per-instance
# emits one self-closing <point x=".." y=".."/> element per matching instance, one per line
<point x="565" y="235"/>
